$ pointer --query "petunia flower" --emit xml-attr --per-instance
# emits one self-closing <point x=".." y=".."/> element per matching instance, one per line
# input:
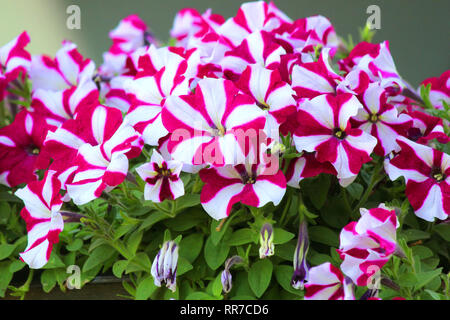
<point x="326" y="282"/>
<point x="427" y="176"/>
<point x="440" y="89"/>
<point x="425" y="128"/>
<point x="251" y="184"/>
<point x="367" y="245"/>
<point x="67" y="69"/>
<point x="164" y="267"/>
<point x="14" y="60"/>
<point x="325" y="129"/>
<point x="271" y="94"/>
<point x="213" y="124"/>
<point x="381" y="119"/>
<point x="21" y="149"/>
<point x="43" y="219"/>
<point x="162" y="178"/>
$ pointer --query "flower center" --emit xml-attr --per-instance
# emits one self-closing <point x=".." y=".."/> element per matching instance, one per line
<point x="338" y="133"/>
<point x="436" y="174"/>
<point x="373" y="118"/>
<point x="262" y="105"/>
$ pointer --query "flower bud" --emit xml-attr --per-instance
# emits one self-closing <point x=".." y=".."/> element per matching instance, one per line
<point x="301" y="269"/>
<point x="266" y="240"/>
<point x="226" y="277"/>
<point x="164" y="267"/>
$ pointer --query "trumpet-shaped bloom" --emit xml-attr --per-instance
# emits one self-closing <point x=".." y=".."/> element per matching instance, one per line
<point x="440" y="90"/>
<point x="212" y="125"/>
<point x="103" y="166"/>
<point x="14" y="59"/>
<point x="270" y="93"/>
<point x="326" y="282"/>
<point x="425" y="127"/>
<point x="162" y="178"/>
<point x="325" y="128"/>
<point x="251" y="184"/>
<point x="162" y="75"/>
<point x="381" y="119"/>
<point x="366" y="245"/>
<point x="427" y="176"/>
<point x="21" y="149"/>
<point x="251" y="17"/>
<point x="164" y="267"/>
<point x="68" y="69"/>
<point x="258" y="48"/>
<point x="43" y="219"/>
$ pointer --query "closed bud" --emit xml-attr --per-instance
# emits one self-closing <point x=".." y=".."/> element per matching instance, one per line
<point x="301" y="269"/>
<point x="226" y="277"/>
<point x="266" y="241"/>
<point x="164" y="268"/>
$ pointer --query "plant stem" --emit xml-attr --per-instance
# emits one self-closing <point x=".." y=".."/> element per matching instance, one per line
<point x="374" y="180"/>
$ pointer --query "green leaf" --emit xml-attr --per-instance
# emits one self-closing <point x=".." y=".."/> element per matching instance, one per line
<point x="6" y="250"/>
<point x="75" y="245"/>
<point x="153" y="218"/>
<point x="414" y="235"/>
<point x="16" y="265"/>
<point x="133" y="241"/>
<point x="5" y="211"/>
<point x="187" y="201"/>
<point x="119" y="267"/>
<point x="217" y="286"/>
<point x="216" y="236"/>
<point x="283" y="274"/>
<point x="186" y="220"/>
<point x="435" y="295"/>
<point x="408" y="280"/>
<point x="316" y="189"/>
<point x="323" y="235"/>
<point x="183" y="266"/>
<point x="281" y="236"/>
<point x="191" y="246"/>
<point x="425" y="277"/>
<point x="200" y="296"/>
<point x="215" y="255"/>
<point x="98" y="256"/>
<point x="242" y="236"/>
<point x="355" y="190"/>
<point x="145" y="288"/>
<point x="443" y="230"/>
<point x="48" y="280"/>
<point x="422" y="252"/>
<point x="336" y="212"/>
<point x="259" y="276"/>
<point x="54" y="262"/>
<point x="5" y="278"/>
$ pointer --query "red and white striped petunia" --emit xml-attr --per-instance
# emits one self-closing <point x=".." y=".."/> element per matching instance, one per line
<point x="306" y="166"/>
<point x="326" y="282"/>
<point x="103" y="166"/>
<point x="162" y="178"/>
<point x="376" y="60"/>
<point x="251" y="17"/>
<point x="58" y="106"/>
<point x="315" y="78"/>
<point x="251" y="184"/>
<point x="425" y="128"/>
<point x="381" y="119"/>
<point x="14" y="60"/>
<point x="43" y="219"/>
<point x="163" y="74"/>
<point x="427" y="176"/>
<point x="366" y="245"/>
<point x="258" y="48"/>
<point x="92" y="125"/>
<point x="271" y="94"/>
<point x="440" y="89"/>
<point x="68" y="69"/>
<point x="21" y="149"/>
<point x="212" y="125"/>
<point x="325" y="128"/>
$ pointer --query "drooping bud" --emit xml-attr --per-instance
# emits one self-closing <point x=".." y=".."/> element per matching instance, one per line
<point x="226" y="277"/>
<point x="349" y="289"/>
<point x="301" y="269"/>
<point x="266" y="241"/>
<point x="164" y="267"/>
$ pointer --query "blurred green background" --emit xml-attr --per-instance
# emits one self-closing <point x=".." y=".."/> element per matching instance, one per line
<point x="418" y="30"/>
